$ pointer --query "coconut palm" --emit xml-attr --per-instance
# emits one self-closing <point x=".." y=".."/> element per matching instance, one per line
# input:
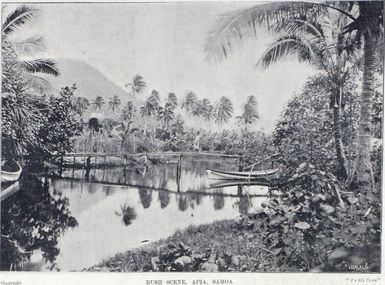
<point x="168" y="114"/>
<point x="26" y="48"/>
<point x="207" y="109"/>
<point x="150" y="108"/>
<point x="196" y="109"/>
<point x="364" y="19"/>
<point x="177" y="126"/>
<point x="223" y="110"/>
<point x="324" y="45"/>
<point x="250" y="112"/>
<point x="137" y="85"/>
<point x="172" y="99"/>
<point x="128" y="111"/>
<point x="154" y="98"/>
<point x="98" y="103"/>
<point x="114" y="102"/>
<point x="189" y="101"/>
<point x="81" y="104"/>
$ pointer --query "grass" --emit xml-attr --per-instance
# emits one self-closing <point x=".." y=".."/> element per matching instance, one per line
<point x="220" y="237"/>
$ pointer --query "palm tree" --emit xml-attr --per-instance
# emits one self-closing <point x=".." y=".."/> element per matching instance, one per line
<point x="177" y="126"/>
<point x="172" y="99"/>
<point x="223" y="110"/>
<point x="24" y="49"/>
<point x="323" y="44"/>
<point x="114" y="102"/>
<point x="207" y="109"/>
<point x="196" y="109"/>
<point x="81" y="104"/>
<point x="168" y="114"/>
<point x="150" y="108"/>
<point x="250" y="112"/>
<point x="98" y="103"/>
<point x="189" y="101"/>
<point x="128" y="111"/>
<point x="154" y="98"/>
<point x="137" y="85"/>
<point x="364" y="18"/>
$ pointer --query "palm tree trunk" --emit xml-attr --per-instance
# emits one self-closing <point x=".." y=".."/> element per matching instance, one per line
<point x="341" y="159"/>
<point x="145" y="125"/>
<point x="364" y="169"/>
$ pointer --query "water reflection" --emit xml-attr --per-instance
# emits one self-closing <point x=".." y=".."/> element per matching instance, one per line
<point x="114" y="210"/>
<point x="145" y="197"/>
<point x="219" y="199"/>
<point x="164" y="198"/>
<point x="32" y="220"/>
<point x="128" y="214"/>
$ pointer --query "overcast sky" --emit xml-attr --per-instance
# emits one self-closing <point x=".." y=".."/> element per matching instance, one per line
<point x="164" y="43"/>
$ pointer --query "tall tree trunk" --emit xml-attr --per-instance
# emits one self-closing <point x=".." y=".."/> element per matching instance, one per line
<point x="364" y="169"/>
<point x="341" y="159"/>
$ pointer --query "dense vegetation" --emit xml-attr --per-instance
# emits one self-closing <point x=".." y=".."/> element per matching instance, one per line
<point x="327" y="141"/>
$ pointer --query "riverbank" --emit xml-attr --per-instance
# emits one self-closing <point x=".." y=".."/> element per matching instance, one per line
<point x="219" y="246"/>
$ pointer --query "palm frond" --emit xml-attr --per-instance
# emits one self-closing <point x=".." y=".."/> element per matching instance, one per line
<point x="233" y="27"/>
<point x="38" y="83"/>
<point x="30" y="45"/>
<point x="300" y="24"/>
<point x="16" y="19"/>
<point x="284" y="46"/>
<point x="46" y="66"/>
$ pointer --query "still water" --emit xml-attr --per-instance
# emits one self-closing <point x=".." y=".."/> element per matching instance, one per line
<point x="83" y="218"/>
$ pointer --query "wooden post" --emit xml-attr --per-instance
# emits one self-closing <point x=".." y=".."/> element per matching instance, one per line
<point x="73" y="168"/>
<point x="104" y="167"/>
<point x="61" y="165"/>
<point x="88" y="168"/>
<point x="178" y="172"/>
<point x="240" y="163"/>
<point x="239" y="190"/>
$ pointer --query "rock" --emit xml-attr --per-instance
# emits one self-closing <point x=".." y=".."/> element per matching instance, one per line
<point x="235" y="260"/>
<point x="221" y="264"/>
<point x="209" y="267"/>
<point x="154" y="263"/>
<point x="184" y="260"/>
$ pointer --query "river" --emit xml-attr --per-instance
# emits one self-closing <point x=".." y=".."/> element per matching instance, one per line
<point x="78" y="220"/>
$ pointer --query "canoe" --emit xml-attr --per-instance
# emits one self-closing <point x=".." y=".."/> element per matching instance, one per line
<point x="236" y="175"/>
<point x="217" y="183"/>
<point x="10" y="176"/>
<point x="9" y="190"/>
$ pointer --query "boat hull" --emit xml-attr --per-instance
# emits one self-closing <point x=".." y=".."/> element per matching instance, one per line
<point x="9" y="190"/>
<point x="221" y="183"/>
<point x="227" y="175"/>
<point x="8" y="176"/>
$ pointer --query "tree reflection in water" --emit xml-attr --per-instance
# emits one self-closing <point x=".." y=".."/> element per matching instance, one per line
<point x="164" y="198"/>
<point x="32" y="219"/>
<point x="219" y="199"/>
<point x="244" y="204"/>
<point x="108" y="189"/>
<point x="182" y="202"/>
<point x="128" y="214"/>
<point x="145" y="196"/>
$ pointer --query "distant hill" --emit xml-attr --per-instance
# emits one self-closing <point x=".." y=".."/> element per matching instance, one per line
<point x="90" y="83"/>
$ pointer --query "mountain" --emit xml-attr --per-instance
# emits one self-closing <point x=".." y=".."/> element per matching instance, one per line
<point x="90" y="83"/>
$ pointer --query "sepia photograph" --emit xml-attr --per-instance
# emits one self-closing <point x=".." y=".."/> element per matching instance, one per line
<point x="204" y="137"/>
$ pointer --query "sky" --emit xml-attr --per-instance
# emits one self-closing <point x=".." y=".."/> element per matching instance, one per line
<point x="164" y="42"/>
